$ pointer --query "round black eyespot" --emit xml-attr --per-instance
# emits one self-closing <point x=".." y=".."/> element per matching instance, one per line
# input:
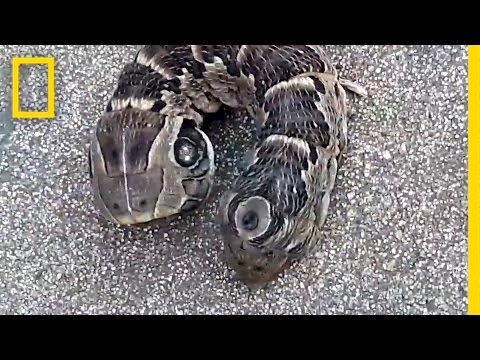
<point x="250" y="221"/>
<point x="186" y="153"/>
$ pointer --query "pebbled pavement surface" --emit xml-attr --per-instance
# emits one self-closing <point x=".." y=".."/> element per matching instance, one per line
<point x="395" y="240"/>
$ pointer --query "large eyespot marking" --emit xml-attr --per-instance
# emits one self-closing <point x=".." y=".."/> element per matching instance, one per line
<point x="252" y="217"/>
<point x="186" y="152"/>
<point x="191" y="149"/>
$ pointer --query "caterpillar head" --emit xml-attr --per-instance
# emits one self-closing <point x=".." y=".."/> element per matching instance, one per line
<point x="145" y="166"/>
<point x="259" y="230"/>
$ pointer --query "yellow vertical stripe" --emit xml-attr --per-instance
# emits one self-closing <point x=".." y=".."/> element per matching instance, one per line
<point x="473" y="179"/>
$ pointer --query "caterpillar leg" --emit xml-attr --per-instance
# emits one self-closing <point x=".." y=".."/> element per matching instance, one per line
<point x="353" y="87"/>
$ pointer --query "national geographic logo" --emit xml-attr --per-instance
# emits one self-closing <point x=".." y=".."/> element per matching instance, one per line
<point x="16" y="111"/>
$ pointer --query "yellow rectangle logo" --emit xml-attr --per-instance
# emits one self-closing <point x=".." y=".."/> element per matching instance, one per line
<point x="50" y="62"/>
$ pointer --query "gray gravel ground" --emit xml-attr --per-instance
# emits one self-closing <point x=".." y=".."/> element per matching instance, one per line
<point x="395" y="241"/>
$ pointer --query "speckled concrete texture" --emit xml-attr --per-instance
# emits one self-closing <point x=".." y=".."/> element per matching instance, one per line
<point x="395" y="241"/>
